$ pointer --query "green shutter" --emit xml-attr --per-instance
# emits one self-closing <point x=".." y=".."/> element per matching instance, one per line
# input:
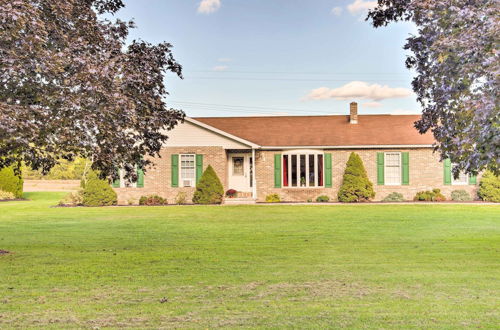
<point x="116" y="183"/>
<point x="447" y="171"/>
<point x="380" y="168"/>
<point x="472" y="179"/>
<point x="277" y="170"/>
<point x="405" y="175"/>
<point x="140" y="177"/>
<point x="175" y="170"/>
<point x="328" y="170"/>
<point x="199" y="167"/>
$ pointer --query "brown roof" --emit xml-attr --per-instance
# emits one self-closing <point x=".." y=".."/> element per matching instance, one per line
<point x="323" y="130"/>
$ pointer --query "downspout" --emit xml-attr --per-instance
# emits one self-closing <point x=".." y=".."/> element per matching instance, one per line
<point x="254" y="173"/>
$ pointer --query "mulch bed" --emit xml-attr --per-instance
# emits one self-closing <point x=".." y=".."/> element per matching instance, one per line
<point x="2" y="252"/>
<point x="14" y="200"/>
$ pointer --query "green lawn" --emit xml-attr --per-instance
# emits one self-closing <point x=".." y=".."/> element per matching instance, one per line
<point x="360" y="266"/>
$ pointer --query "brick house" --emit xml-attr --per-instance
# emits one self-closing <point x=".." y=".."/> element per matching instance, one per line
<point x="296" y="157"/>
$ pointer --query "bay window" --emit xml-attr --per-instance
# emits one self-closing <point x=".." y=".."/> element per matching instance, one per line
<point x="302" y="170"/>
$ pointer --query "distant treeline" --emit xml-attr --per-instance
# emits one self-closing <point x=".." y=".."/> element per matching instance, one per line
<point x="65" y="170"/>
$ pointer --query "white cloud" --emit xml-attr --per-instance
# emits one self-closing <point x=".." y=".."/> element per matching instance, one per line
<point x="372" y="104"/>
<point x="225" y="60"/>
<point x="337" y="11"/>
<point x="358" y="90"/>
<point x="220" y="68"/>
<point x="360" y="6"/>
<point x="208" y="6"/>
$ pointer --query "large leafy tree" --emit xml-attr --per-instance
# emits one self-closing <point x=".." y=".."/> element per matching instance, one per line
<point x="456" y="57"/>
<point x="70" y="85"/>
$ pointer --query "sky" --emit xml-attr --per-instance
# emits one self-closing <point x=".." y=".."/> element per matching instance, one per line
<point x="277" y="57"/>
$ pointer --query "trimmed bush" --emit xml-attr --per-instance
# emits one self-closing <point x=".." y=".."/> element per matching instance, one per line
<point x="460" y="195"/>
<point x="10" y="182"/>
<point x="322" y="199"/>
<point x="72" y="199"/>
<point x="97" y="192"/>
<point x="181" y="198"/>
<point x="152" y="200"/>
<point x="6" y="195"/>
<point x="394" y="197"/>
<point x="356" y="187"/>
<point x="430" y="196"/>
<point x="273" y="198"/>
<point x="209" y="189"/>
<point x="489" y="187"/>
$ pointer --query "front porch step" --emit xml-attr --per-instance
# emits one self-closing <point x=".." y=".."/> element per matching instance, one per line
<point x="239" y="201"/>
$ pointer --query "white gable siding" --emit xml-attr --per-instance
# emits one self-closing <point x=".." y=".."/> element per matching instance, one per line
<point x="188" y="134"/>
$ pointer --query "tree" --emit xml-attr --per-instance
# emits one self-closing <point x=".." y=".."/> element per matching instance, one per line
<point x="456" y="58"/>
<point x="209" y="189"/>
<point x="71" y="87"/>
<point x="356" y="187"/>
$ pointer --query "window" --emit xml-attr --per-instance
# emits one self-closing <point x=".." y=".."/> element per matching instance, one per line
<point x="238" y="166"/>
<point x="392" y="168"/>
<point x="124" y="183"/>
<point x="188" y="170"/>
<point x="462" y="179"/>
<point x="302" y="170"/>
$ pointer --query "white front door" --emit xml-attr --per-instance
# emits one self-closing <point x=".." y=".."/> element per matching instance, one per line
<point x="240" y="172"/>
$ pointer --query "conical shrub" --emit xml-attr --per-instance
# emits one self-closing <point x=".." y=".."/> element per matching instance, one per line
<point x="97" y="192"/>
<point x="209" y="189"/>
<point x="356" y="187"/>
<point x="10" y="182"/>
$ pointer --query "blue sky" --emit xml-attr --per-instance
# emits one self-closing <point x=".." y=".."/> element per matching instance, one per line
<point x="261" y="57"/>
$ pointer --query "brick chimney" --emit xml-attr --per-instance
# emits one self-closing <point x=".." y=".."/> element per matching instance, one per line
<point x="353" y="107"/>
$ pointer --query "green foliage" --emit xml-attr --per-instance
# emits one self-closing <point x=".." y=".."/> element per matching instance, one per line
<point x="64" y="170"/>
<point x="11" y="182"/>
<point x="356" y="187"/>
<point x="152" y="200"/>
<point x="6" y="195"/>
<point x="209" y="189"/>
<point x="322" y="199"/>
<point x="394" y="197"/>
<point x="273" y="198"/>
<point x="72" y="199"/>
<point x="460" y="195"/>
<point x="97" y="192"/>
<point x="489" y="187"/>
<point x="181" y="198"/>
<point x="430" y="196"/>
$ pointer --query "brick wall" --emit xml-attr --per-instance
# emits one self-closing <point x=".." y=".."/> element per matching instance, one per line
<point x="426" y="173"/>
<point x="157" y="179"/>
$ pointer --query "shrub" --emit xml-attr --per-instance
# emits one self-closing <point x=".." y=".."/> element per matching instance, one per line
<point x="11" y="182"/>
<point x="460" y="195"/>
<point x="231" y="193"/>
<point x="355" y="184"/>
<point x="430" y="196"/>
<point x="72" y="199"/>
<point x="322" y="199"/>
<point x="97" y="192"/>
<point x="152" y="200"/>
<point x="394" y="197"/>
<point x="273" y="198"/>
<point x="181" y="198"/>
<point x="6" y="195"/>
<point x="209" y="189"/>
<point x="489" y="187"/>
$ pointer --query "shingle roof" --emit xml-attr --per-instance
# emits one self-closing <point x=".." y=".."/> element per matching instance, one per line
<point x="323" y="130"/>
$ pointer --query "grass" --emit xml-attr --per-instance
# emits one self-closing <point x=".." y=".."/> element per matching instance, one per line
<point x="370" y="266"/>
